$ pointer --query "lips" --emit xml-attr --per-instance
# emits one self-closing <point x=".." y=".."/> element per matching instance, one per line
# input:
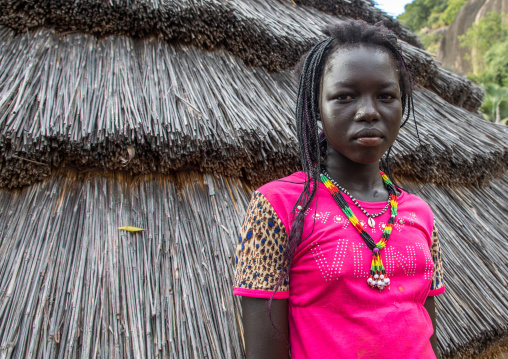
<point x="368" y="132"/>
<point x="369" y="137"/>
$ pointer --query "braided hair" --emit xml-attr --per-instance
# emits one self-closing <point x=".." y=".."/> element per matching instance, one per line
<point x="312" y="143"/>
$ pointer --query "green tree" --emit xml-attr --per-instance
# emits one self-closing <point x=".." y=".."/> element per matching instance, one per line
<point x="424" y="15"/>
<point x="495" y="104"/>
<point x="431" y="41"/>
<point x="487" y="41"/>
<point x="495" y="69"/>
<point x="451" y="11"/>
<point x="418" y="13"/>
<point x="482" y="36"/>
<point x="496" y="65"/>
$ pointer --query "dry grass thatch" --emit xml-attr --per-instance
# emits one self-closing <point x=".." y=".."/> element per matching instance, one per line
<point x="176" y="106"/>
<point x="458" y="147"/>
<point x="268" y="33"/>
<point x="145" y="106"/>
<point x="473" y="229"/>
<point x="111" y="88"/>
<point x="365" y="10"/>
<point x="24" y="15"/>
<point x="74" y="286"/>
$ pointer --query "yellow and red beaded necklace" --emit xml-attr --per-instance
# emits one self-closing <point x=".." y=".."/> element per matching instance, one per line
<point x="377" y="278"/>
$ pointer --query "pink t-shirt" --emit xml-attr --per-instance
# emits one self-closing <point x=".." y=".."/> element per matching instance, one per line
<point x="333" y="313"/>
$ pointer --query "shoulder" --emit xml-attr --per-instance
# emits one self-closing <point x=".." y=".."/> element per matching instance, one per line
<point x="417" y="211"/>
<point x="416" y="203"/>
<point x="284" y="186"/>
<point x="282" y="194"/>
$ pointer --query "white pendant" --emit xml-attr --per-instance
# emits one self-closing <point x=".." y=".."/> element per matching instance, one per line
<point x="372" y="222"/>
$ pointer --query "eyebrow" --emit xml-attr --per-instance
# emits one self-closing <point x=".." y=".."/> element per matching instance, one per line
<point x="352" y="84"/>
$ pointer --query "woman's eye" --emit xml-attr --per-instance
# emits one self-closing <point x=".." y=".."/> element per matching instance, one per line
<point x="387" y="97"/>
<point x="344" y="97"/>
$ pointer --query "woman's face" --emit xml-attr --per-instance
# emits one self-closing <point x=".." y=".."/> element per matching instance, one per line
<point x="360" y="103"/>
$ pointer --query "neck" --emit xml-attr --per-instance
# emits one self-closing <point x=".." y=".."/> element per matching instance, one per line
<point x="363" y="181"/>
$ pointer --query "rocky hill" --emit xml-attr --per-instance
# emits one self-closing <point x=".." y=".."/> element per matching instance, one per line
<point x="450" y="53"/>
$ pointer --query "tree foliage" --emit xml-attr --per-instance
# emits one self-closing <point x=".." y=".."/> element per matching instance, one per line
<point x="451" y="11"/>
<point x="430" y="13"/>
<point x="422" y="13"/>
<point x="495" y="103"/>
<point x="487" y="41"/>
<point x="485" y="33"/>
<point x="496" y="64"/>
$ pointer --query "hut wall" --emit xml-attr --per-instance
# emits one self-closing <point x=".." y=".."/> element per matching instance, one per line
<point x="74" y="285"/>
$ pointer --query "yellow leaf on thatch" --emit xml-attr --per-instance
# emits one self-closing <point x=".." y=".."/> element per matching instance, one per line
<point x="131" y="229"/>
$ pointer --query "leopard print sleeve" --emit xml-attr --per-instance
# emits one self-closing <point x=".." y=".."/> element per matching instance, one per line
<point x="260" y="248"/>
<point x="435" y="250"/>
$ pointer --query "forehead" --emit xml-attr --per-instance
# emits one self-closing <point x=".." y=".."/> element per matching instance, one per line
<point x="351" y="64"/>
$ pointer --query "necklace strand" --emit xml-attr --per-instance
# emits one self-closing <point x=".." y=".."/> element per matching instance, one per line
<point x="371" y="217"/>
<point x="377" y="277"/>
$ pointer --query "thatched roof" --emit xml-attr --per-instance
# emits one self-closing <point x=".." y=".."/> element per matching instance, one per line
<point x="164" y="115"/>
<point x="271" y="33"/>
<point x="176" y="107"/>
<point x="472" y="314"/>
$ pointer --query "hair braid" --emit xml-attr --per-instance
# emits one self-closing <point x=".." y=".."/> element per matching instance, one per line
<point x="308" y="139"/>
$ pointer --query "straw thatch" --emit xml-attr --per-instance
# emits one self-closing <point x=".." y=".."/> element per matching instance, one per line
<point x="145" y="106"/>
<point x="73" y="285"/>
<point x="163" y="115"/>
<point x="269" y="33"/>
<point x="364" y="10"/>
<point x="164" y="103"/>
<point x="472" y="316"/>
<point x="92" y="16"/>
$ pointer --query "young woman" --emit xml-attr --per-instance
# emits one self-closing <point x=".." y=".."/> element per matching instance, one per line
<point x="347" y="262"/>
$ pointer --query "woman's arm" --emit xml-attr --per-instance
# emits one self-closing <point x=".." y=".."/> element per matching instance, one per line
<point x="261" y="340"/>
<point x="430" y="305"/>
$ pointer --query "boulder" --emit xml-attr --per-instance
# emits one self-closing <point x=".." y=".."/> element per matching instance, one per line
<point x="450" y="53"/>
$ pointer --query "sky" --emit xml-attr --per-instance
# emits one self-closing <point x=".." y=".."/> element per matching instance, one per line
<point x="392" y="7"/>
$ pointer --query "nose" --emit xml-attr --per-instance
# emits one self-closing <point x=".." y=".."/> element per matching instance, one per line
<point x="367" y="110"/>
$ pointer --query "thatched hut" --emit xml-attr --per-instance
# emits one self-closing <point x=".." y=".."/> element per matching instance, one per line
<point x="165" y="115"/>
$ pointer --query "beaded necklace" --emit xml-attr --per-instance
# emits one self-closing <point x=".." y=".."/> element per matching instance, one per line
<point x="371" y="221"/>
<point x="377" y="278"/>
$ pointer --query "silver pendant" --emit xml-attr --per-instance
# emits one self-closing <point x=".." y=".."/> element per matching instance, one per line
<point x="372" y="222"/>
